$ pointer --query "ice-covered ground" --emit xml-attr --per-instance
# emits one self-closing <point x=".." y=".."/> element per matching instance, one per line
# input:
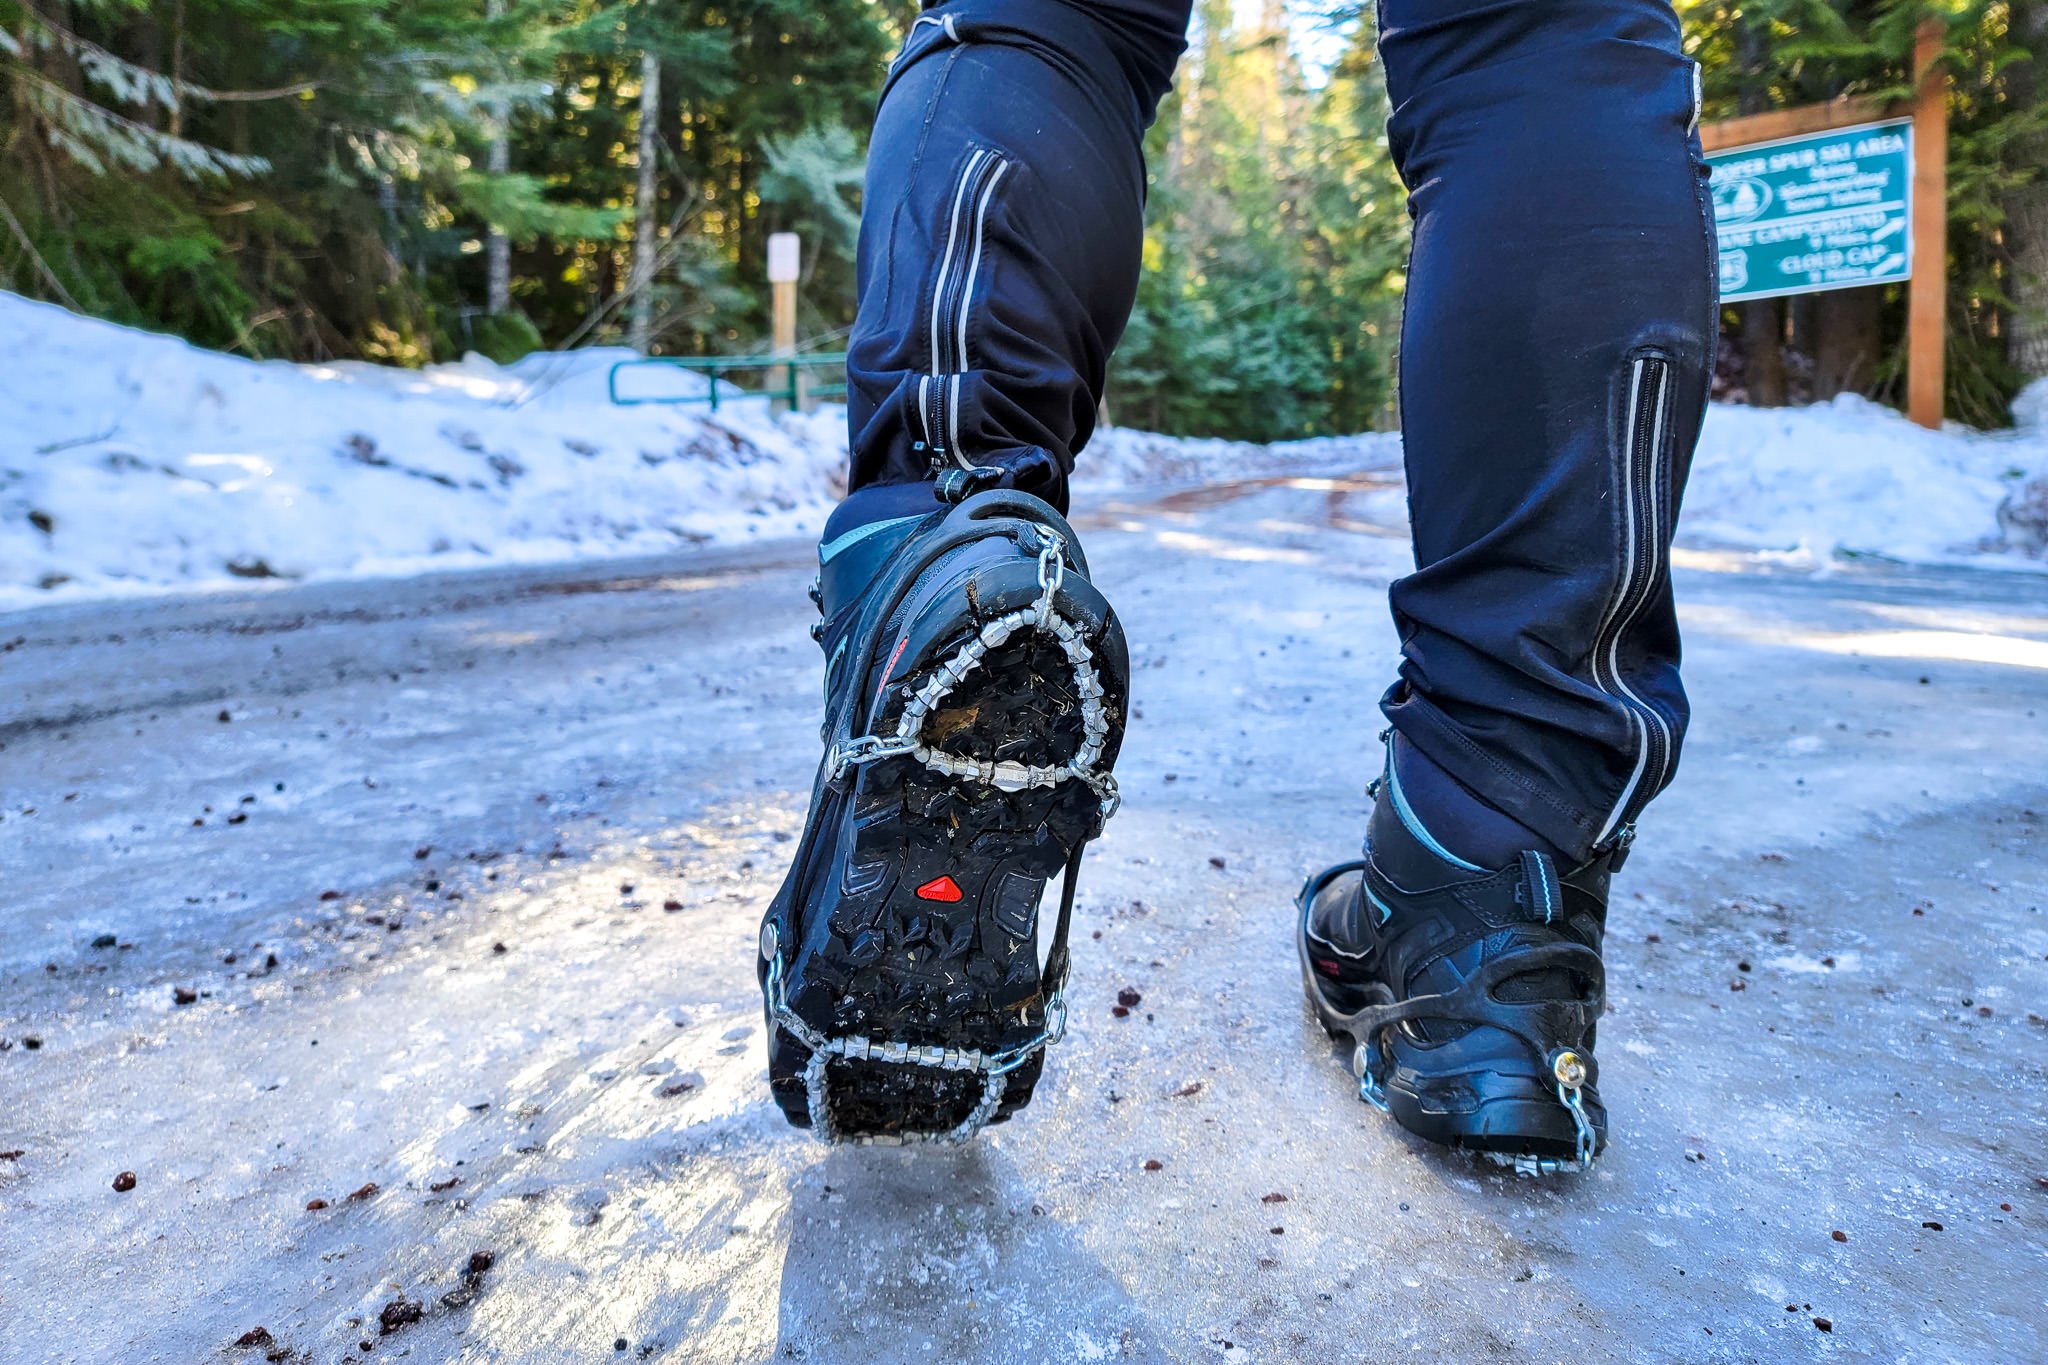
<point x="132" y="461"/>
<point x="397" y="940"/>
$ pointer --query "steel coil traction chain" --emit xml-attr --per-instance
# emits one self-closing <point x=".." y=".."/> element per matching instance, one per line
<point x="994" y="1068"/>
<point x="1003" y="776"/>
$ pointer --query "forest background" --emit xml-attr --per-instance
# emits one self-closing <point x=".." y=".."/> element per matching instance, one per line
<point x="318" y="179"/>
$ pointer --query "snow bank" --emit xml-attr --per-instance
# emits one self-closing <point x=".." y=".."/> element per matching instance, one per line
<point x="1853" y="477"/>
<point x="2023" y="516"/>
<point x="135" y="462"/>
<point x="136" y="459"/>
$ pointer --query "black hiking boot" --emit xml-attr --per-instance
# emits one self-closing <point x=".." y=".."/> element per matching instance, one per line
<point x="975" y="689"/>
<point x="1470" y="997"/>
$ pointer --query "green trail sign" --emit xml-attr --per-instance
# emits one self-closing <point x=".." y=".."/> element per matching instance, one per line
<point x="1824" y="211"/>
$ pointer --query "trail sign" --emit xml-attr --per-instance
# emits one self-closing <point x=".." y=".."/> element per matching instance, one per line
<point x="785" y="258"/>
<point x="1833" y="195"/>
<point x="1827" y="210"/>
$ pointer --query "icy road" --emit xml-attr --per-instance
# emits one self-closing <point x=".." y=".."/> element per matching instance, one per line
<point x="392" y="943"/>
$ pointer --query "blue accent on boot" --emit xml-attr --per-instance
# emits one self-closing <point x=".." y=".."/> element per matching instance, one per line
<point x="834" y="547"/>
<point x="862" y="536"/>
<point x="879" y="502"/>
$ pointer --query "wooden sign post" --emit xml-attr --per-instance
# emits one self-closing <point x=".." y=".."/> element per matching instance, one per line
<point x="1927" y="294"/>
<point x="785" y="259"/>
<point x="1831" y="196"/>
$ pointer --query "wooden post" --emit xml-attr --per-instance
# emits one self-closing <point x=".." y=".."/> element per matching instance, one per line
<point x="785" y="333"/>
<point x="1927" y="292"/>
<point x="645" y="206"/>
<point x="784" y="261"/>
<point x="1772" y="124"/>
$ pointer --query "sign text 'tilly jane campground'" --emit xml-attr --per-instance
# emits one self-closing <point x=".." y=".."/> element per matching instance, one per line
<point x="1828" y="210"/>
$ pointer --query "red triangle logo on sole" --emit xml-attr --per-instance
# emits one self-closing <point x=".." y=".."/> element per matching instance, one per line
<point x="940" y="889"/>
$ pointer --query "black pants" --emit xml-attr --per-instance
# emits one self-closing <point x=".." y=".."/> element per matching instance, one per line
<point x="1554" y="356"/>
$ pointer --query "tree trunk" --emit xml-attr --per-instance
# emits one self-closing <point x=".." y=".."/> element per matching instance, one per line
<point x="146" y="40"/>
<point x="1849" y="324"/>
<point x="497" y="248"/>
<point x="2027" y="239"/>
<point x="646" y="209"/>
<point x="1763" y="355"/>
<point x="177" y="124"/>
<point x="2026" y="208"/>
<point x="1763" y="320"/>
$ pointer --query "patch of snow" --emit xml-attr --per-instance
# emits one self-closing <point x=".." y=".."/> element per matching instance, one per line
<point x="2023" y="515"/>
<point x="134" y="462"/>
<point x="1119" y="457"/>
<point x="1850" y="476"/>
<point x="137" y="462"/>
<point x="1800" y="965"/>
<point x="2030" y="409"/>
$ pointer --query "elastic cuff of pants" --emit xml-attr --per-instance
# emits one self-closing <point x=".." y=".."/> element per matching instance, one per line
<point x="1028" y="469"/>
<point x="1563" y="824"/>
<point x="1454" y="820"/>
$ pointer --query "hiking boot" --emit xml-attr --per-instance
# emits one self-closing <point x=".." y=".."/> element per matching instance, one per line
<point x="1469" y="996"/>
<point x="975" y="692"/>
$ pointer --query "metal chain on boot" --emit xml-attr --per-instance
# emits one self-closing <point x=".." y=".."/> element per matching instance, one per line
<point x="1572" y="1074"/>
<point x="994" y="1068"/>
<point x="1006" y="775"/>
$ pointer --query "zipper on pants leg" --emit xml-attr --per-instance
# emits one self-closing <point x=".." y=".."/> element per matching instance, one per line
<point x="938" y="392"/>
<point x="1644" y="429"/>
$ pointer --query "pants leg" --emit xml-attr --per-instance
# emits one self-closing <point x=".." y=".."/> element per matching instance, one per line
<point x="1555" y="359"/>
<point x="1000" y="241"/>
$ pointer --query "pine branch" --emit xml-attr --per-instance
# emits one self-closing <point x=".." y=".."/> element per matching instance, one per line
<point x="282" y="92"/>
<point x="132" y="83"/>
<point x="92" y="135"/>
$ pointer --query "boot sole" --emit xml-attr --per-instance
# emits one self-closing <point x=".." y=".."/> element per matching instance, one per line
<point x="933" y="939"/>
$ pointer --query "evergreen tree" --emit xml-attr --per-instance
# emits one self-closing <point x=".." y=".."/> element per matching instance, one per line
<point x="1273" y="255"/>
<point x="317" y="178"/>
